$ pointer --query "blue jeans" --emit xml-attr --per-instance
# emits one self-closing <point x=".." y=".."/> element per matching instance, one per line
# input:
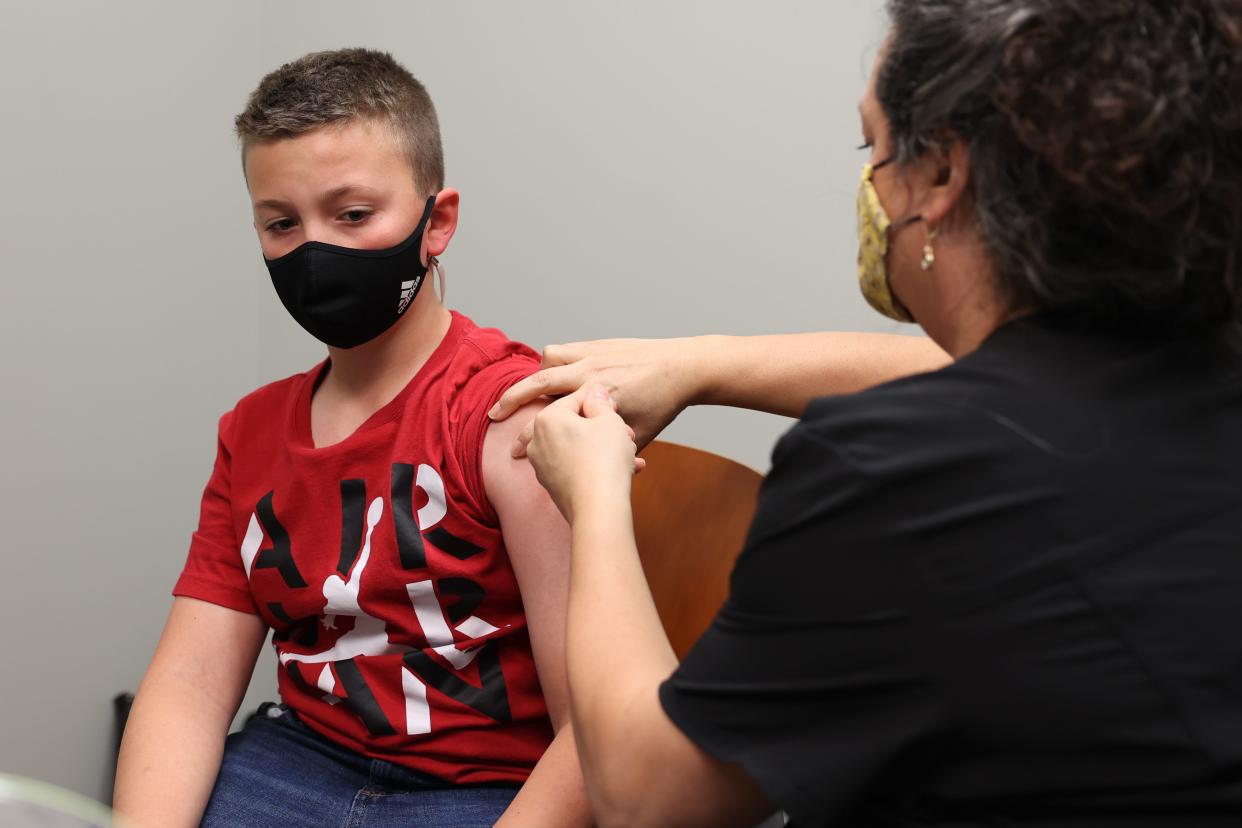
<point x="278" y="773"/>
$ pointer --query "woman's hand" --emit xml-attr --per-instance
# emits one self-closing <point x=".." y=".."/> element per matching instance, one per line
<point x="583" y="451"/>
<point x="650" y="380"/>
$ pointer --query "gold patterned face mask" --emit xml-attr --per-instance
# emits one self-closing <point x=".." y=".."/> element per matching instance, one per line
<point x="873" y="227"/>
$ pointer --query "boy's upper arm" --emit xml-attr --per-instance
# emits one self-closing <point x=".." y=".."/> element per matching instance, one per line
<point x="537" y="540"/>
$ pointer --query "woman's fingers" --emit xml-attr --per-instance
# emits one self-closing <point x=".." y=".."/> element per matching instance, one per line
<point x="558" y="375"/>
<point x="573" y="402"/>
<point x="589" y="403"/>
<point x="555" y="355"/>
<point x="647" y="377"/>
<point x="598" y="403"/>
<point x="578" y="444"/>
<point x="523" y="440"/>
<point x="549" y="382"/>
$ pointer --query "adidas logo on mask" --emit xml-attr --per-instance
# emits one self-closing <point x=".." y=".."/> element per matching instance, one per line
<point x="408" y="289"/>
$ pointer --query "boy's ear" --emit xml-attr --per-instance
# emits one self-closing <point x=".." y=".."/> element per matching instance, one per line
<point x="442" y="224"/>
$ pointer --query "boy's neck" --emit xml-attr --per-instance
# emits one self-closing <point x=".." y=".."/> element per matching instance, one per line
<point x="379" y="369"/>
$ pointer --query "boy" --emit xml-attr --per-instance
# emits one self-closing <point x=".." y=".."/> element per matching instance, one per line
<point x="368" y="511"/>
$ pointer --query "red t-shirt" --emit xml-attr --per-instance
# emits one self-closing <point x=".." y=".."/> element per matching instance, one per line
<point x="379" y="564"/>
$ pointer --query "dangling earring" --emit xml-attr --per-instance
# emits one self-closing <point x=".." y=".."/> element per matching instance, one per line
<point x="929" y="252"/>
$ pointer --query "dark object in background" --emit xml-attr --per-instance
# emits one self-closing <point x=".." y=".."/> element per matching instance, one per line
<point x="121" y="703"/>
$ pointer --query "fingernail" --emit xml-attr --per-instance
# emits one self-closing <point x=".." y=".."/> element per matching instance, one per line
<point x="602" y="392"/>
<point x="495" y="412"/>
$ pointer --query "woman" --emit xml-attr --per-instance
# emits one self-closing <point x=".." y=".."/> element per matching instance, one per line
<point x="1001" y="593"/>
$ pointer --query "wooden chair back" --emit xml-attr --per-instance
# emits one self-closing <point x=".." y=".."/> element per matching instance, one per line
<point x="692" y="510"/>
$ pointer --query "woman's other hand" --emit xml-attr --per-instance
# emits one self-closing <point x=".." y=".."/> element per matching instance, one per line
<point x="649" y="380"/>
<point x="583" y="451"/>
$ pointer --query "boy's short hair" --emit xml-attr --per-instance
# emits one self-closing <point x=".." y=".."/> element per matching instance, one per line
<point x="331" y="87"/>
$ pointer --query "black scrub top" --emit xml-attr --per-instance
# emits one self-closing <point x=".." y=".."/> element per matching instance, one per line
<point x="1008" y="593"/>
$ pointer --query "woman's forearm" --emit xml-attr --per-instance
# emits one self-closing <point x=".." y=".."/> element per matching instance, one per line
<point x="640" y="768"/>
<point x="782" y="373"/>
<point x="617" y="654"/>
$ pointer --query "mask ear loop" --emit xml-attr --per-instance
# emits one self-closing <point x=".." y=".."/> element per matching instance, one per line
<point x="435" y="265"/>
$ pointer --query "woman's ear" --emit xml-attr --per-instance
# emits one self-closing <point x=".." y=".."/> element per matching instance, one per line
<point x="442" y="224"/>
<point x="949" y="178"/>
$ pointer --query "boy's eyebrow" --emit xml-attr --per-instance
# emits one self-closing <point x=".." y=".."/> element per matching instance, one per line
<point x="332" y="195"/>
<point x="274" y="203"/>
<point x="347" y="189"/>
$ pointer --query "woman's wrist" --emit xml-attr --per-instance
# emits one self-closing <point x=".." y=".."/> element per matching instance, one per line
<point x="701" y="372"/>
<point x="602" y="503"/>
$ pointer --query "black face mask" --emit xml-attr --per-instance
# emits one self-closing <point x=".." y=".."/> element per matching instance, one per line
<point x="344" y="297"/>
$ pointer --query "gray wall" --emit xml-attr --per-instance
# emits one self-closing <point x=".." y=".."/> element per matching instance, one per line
<point x="627" y="169"/>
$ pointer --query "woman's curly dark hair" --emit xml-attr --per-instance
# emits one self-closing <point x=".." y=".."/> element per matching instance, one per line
<point x="1105" y="142"/>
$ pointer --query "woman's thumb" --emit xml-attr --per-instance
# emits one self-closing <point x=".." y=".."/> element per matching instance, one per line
<point x="598" y="401"/>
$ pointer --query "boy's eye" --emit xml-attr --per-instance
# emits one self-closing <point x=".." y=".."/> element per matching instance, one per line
<point x="283" y="225"/>
<point x="355" y="216"/>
